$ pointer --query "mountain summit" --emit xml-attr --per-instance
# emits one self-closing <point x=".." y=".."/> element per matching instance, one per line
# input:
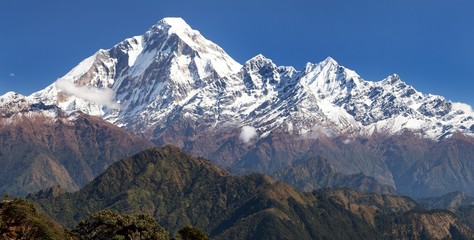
<point x="172" y="69"/>
<point x="155" y="72"/>
<point x="173" y="86"/>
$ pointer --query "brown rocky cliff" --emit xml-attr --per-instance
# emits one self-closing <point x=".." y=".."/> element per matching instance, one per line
<point x="40" y="151"/>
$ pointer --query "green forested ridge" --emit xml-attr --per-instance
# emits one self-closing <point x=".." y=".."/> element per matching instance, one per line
<point x="20" y="219"/>
<point x="178" y="190"/>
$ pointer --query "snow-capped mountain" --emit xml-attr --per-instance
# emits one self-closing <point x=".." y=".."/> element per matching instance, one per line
<point x="173" y="70"/>
<point x="141" y="80"/>
<point x="173" y="86"/>
<point x="329" y="98"/>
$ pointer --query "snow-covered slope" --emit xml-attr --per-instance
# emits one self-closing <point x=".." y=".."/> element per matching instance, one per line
<point x="14" y="106"/>
<point x="324" y="98"/>
<point x="173" y="72"/>
<point x="141" y="80"/>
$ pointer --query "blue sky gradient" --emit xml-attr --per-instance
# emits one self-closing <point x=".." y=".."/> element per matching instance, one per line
<point x="429" y="43"/>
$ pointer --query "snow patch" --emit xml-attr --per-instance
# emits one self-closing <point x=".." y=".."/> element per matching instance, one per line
<point x="82" y="68"/>
<point x="290" y="127"/>
<point x="136" y="51"/>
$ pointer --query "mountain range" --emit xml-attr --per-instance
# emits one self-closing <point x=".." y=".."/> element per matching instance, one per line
<point x="178" y="189"/>
<point x="173" y="86"/>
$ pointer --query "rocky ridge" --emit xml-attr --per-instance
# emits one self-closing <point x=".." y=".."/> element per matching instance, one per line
<point x="42" y="146"/>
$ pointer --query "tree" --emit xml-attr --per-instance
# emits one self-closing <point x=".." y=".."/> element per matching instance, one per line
<point x="191" y="233"/>
<point x="19" y="219"/>
<point x="108" y="224"/>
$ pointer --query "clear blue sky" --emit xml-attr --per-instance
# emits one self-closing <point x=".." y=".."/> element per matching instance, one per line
<point x="429" y="43"/>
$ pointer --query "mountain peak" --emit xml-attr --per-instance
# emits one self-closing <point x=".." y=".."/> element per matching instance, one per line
<point x="258" y="58"/>
<point x="12" y="102"/>
<point x="329" y="61"/>
<point x="11" y="94"/>
<point x="174" y="34"/>
<point x="258" y="62"/>
<point x="328" y="64"/>
<point x="174" y="25"/>
<point x="9" y="99"/>
<point x="167" y="27"/>
<point x="393" y="79"/>
<point x="174" y="21"/>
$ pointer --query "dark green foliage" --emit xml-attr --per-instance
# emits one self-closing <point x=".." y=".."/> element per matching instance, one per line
<point x="191" y="233"/>
<point x="19" y="219"/>
<point x="176" y="187"/>
<point x="107" y="224"/>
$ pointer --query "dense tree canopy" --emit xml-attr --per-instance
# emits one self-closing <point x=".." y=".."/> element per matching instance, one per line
<point x="191" y="233"/>
<point x="107" y="224"/>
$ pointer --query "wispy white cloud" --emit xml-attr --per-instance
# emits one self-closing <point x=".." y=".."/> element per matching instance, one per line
<point x="347" y="141"/>
<point x="103" y="96"/>
<point x="318" y="132"/>
<point x="11" y="74"/>
<point x="247" y="133"/>
<point x="463" y="107"/>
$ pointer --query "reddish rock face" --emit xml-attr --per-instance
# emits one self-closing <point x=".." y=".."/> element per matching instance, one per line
<point x="38" y="150"/>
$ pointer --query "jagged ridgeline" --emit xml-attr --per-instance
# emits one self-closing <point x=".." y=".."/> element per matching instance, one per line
<point x="173" y="86"/>
<point x="179" y="189"/>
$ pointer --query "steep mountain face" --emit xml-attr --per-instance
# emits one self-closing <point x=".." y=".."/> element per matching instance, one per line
<point x="466" y="215"/>
<point x="152" y="76"/>
<point x="316" y="173"/>
<point x="451" y="200"/>
<point x="42" y="146"/>
<point x="179" y="189"/>
<point x="173" y="86"/>
<point x="459" y="203"/>
<point x="432" y="225"/>
<point x="426" y="168"/>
